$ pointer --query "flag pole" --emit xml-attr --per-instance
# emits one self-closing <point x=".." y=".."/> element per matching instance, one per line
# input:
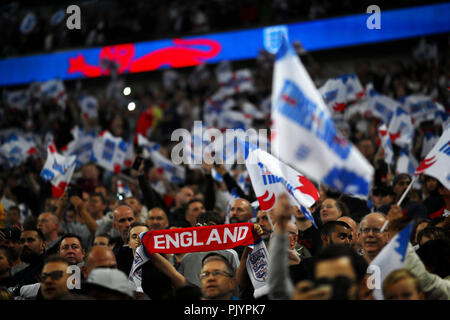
<point x="407" y="190"/>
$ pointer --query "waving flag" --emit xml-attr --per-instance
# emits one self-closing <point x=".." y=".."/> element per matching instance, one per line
<point x="381" y="106"/>
<point x="88" y="106"/>
<point x="17" y="99"/>
<point x="236" y="82"/>
<point x="81" y="146"/>
<point x="334" y="94"/>
<point x="257" y="267"/>
<point x="54" y="90"/>
<point x="406" y="163"/>
<point x="354" y="87"/>
<point x="301" y="118"/>
<point x="391" y="257"/>
<point x="421" y="108"/>
<point x="386" y="145"/>
<point x="272" y="178"/>
<point x="17" y="149"/>
<point x="436" y="163"/>
<point x="429" y="141"/>
<point x="401" y="129"/>
<point x="58" y="170"/>
<point x="112" y="153"/>
<point x="140" y="257"/>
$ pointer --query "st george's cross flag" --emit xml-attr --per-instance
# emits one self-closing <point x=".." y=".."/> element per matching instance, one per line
<point x="304" y="135"/>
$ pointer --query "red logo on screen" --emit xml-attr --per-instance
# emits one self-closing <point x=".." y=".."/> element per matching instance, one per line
<point x="181" y="54"/>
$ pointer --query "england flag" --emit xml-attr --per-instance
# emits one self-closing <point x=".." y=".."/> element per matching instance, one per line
<point x="236" y="82"/>
<point x="88" y="106"/>
<point x="17" y="149"/>
<point x="112" y="153"/>
<point x="401" y="129"/>
<point x="58" y="169"/>
<point x="381" y="106"/>
<point x="386" y="145"/>
<point x="390" y="258"/>
<point x="271" y="178"/>
<point x="304" y="135"/>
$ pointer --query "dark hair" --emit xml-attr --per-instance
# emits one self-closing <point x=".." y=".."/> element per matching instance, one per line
<point x="70" y="235"/>
<point x="13" y="208"/>
<point x="336" y="251"/>
<point x="56" y="258"/>
<point x="39" y="232"/>
<point x="341" y="206"/>
<point x="414" y="228"/>
<point x="100" y="195"/>
<point x="136" y="224"/>
<point x="329" y="227"/>
<point x="217" y="256"/>
<point x="8" y="253"/>
<point x="205" y="218"/>
<point x="105" y="235"/>
<point x="435" y="232"/>
<point x="435" y="255"/>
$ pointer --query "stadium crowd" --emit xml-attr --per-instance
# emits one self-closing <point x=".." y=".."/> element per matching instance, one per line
<point x="94" y="226"/>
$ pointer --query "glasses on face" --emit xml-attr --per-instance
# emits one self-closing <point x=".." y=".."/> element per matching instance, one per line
<point x="54" y="275"/>
<point x="374" y="230"/>
<point x="215" y="273"/>
<point x="344" y="236"/>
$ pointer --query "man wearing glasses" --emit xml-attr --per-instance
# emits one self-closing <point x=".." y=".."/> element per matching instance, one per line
<point x="54" y="278"/>
<point x="218" y="278"/>
<point x="372" y="236"/>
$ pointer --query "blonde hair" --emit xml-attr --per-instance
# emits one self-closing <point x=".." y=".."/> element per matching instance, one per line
<point x="400" y="274"/>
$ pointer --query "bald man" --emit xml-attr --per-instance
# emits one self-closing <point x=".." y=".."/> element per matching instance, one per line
<point x="48" y="223"/>
<point x="371" y="237"/>
<point x="157" y="219"/>
<point x="241" y="211"/>
<point x="123" y="218"/>
<point x="99" y="257"/>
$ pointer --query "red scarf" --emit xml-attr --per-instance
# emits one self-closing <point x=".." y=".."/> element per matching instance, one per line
<point x="197" y="239"/>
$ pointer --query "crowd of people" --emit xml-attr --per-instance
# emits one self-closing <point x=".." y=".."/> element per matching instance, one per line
<point x="113" y="22"/>
<point x="94" y="228"/>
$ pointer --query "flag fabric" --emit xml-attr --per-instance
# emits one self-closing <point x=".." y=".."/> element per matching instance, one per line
<point x="198" y="239"/>
<point x="257" y="267"/>
<point x="58" y="169"/>
<point x="215" y="105"/>
<point x="81" y="146"/>
<point x="17" y="149"/>
<point x="112" y="153"/>
<point x="386" y="144"/>
<point x="401" y="129"/>
<point x="406" y="163"/>
<point x="232" y="119"/>
<point x="334" y="94"/>
<point x="172" y="172"/>
<point x="318" y="149"/>
<point x="88" y="106"/>
<point x="140" y="257"/>
<point x="54" y="90"/>
<point x="355" y="90"/>
<point x="391" y="257"/>
<point x="441" y="117"/>
<point x="17" y="99"/>
<point x="236" y="81"/>
<point x="272" y="178"/>
<point x="421" y="108"/>
<point x="381" y="106"/>
<point x="436" y="163"/>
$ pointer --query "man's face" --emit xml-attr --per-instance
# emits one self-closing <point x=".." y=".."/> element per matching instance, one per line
<point x="341" y="235"/>
<point x="15" y="246"/>
<point x="54" y="288"/>
<point x="193" y="211"/>
<point x="33" y="246"/>
<point x="371" y="238"/>
<point x="101" y="241"/>
<point x="134" y="204"/>
<point x="70" y="248"/>
<point x="263" y="220"/>
<point x="123" y="217"/>
<point x="157" y="219"/>
<point x="329" y="211"/>
<point x="185" y="195"/>
<point x="400" y="186"/>
<point x="240" y="211"/>
<point x="47" y="223"/>
<point x="13" y="216"/>
<point x="377" y="200"/>
<point x="293" y="235"/>
<point x="219" y="286"/>
<point x="134" y="241"/>
<point x="4" y="264"/>
<point x="353" y="226"/>
<point x="96" y="205"/>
